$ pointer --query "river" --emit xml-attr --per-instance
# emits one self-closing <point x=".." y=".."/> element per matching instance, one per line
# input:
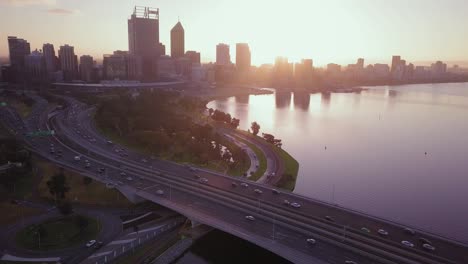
<point x="396" y="152"/>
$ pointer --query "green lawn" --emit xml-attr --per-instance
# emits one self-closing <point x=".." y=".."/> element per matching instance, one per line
<point x="59" y="233"/>
<point x="151" y="250"/>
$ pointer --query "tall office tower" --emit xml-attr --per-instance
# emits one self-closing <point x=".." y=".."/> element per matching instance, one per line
<point x="143" y="41"/>
<point x="35" y="66"/>
<point x="86" y="68"/>
<point x="193" y="56"/>
<point x="115" y="66"/>
<point x="162" y="49"/>
<point x="360" y="64"/>
<point x="177" y="41"/>
<point x="395" y="63"/>
<point x="49" y="57"/>
<point x="18" y="48"/>
<point x="223" y="56"/>
<point x="243" y="57"/>
<point x="68" y="62"/>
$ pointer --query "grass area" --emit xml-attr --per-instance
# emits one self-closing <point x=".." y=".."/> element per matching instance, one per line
<point x="14" y="213"/>
<point x="262" y="166"/>
<point x="291" y="166"/>
<point x="150" y="251"/>
<point x="95" y="193"/>
<point x="58" y="233"/>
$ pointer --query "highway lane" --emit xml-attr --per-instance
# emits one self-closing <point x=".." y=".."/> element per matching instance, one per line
<point x="210" y="181"/>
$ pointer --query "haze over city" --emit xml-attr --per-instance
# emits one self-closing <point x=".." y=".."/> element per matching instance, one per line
<point x="233" y="131"/>
<point x="327" y="31"/>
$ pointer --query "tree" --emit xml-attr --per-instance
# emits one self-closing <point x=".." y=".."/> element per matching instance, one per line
<point x="235" y="123"/>
<point x="65" y="208"/>
<point x="81" y="222"/>
<point x="58" y="186"/>
<point x="87" y="181"/>
<point x="255" y="128"/>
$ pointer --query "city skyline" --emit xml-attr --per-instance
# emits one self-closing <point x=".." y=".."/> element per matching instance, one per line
<point x="324" y="46"/>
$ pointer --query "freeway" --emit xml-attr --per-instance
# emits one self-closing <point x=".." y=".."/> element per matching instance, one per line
<point x="278" y="226"/>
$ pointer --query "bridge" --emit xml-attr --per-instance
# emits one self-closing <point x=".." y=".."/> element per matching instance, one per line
<point x="255" y="212"/>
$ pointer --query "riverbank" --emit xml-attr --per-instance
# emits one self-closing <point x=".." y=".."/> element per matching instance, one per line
<point x="226" y="91"/>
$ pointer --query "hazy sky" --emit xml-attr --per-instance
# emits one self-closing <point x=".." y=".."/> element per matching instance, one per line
<point x="327" y="31"/>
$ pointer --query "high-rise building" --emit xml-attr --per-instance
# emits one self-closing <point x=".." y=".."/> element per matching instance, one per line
<point x="18" y="49"/>
<point x="86" y="68"/>
<point x="223" y="56"/>
<point x="49" y="57"/>
<point x="243" y="57"/>
<point x="35" y="66"/>
<point x="193" y="56"/>
<point x="68" y="62"/>
<point x="395" y="62"/>
<point x="162" y="49"/>
<point x="115" y="66"/>
<point x="360" y="64"/>
<point x="177" y="41"/>
<point x="143" y="41"/>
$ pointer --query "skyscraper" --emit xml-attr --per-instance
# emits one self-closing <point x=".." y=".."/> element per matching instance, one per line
<point x="35" y="66"/>
<point x="49" y="57"/>
<point x="143" y="40"/>
<point x="177" y="41"/>
<point x="243" y="57"/>
<point x="68" y="62"/>
<point x="162" y="49"/>
<point x="86" y="68"/>
<point x="18" y="49"/>
<point x="223" y="56"/>
<point x="395" y="63"/>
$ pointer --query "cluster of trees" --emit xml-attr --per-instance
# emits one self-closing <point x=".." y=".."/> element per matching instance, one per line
<point x="14" y="152"/>
<point x="272" y="140"/>
<point x="160" y="122"/>
<point x="226" y="118"/>
<point x="58" y="188"/>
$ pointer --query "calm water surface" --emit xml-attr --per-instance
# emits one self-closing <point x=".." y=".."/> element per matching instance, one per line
<point x="376" y="142"/>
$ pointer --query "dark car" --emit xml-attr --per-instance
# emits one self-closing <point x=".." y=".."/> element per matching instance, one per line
<point x="98" y="245"/>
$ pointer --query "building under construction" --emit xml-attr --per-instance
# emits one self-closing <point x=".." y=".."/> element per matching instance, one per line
<point x="143" y="42"/>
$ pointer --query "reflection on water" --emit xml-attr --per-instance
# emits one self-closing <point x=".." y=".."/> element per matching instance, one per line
<point x="376" y="143"/>
<point x="301" y="100"/>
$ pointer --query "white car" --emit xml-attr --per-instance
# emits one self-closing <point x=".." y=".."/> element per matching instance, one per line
<point x="296" y="205"/>
<point x="123" y="174"/>
<point x="407" y="243"/>
<point x="129" y="179"/>
<point x="365" y="229"/>
<point x="203" y="180"/>
<point x="250" y="218"/>
<point x="286" y="202"/>
<point x="160" y="192"/>
<point x="258" y="191"/>
<point x="382" y="232"/>
<point x="244" y="185"/>
<point x="311" y="241"/>
<point x="90" y="243"/>
<point x="429" y="247"/>
<point x="77" y="158"/>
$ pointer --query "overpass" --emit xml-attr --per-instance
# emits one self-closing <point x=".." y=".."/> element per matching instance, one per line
<point x="278" y="227"/>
